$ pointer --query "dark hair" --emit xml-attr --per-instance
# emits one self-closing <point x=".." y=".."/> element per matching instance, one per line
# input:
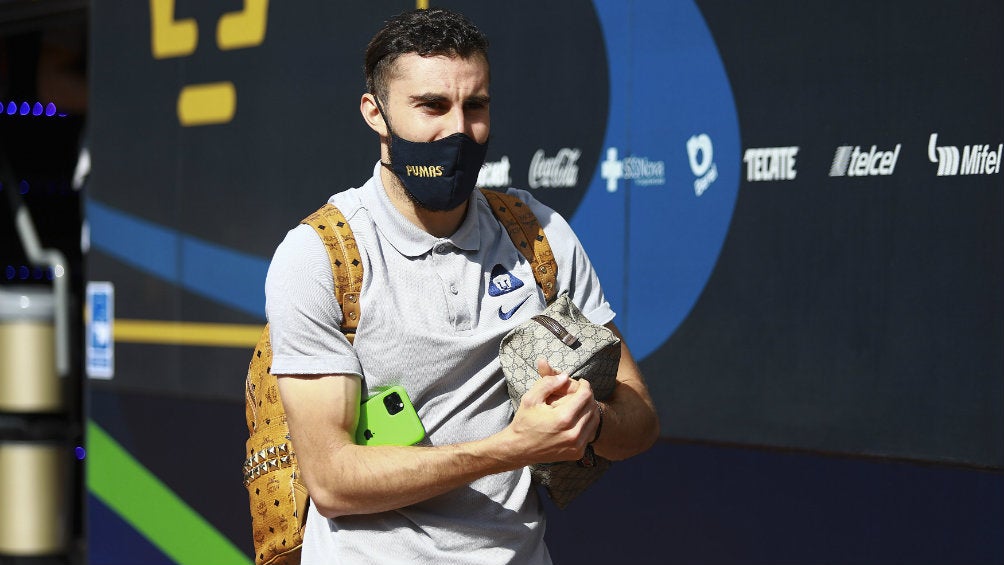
<point x="428" y="32"/>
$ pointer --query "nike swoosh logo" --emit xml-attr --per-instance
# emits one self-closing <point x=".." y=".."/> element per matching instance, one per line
<point x="507" y="315"/>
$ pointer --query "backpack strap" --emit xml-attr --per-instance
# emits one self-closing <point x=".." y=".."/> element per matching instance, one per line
<point x="346" y="263"/>
<point x="528" y="236"/>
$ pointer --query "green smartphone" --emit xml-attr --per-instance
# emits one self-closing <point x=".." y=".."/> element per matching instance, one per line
<point x="389" y="418"/>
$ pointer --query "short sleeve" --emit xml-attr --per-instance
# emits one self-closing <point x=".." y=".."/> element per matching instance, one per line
<point x="304" y="316"/>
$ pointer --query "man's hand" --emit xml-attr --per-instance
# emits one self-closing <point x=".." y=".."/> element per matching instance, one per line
<point x="556" y="419"/>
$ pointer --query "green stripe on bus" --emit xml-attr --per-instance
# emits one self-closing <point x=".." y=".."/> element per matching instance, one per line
<point x="149" y="506"/>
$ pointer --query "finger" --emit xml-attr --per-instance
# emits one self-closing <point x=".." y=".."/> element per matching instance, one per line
<point x="545" y="368"/>
<point x="579" y="392"/>
<point x="587" y="424"/>
<point x="580" y="404"/>
<point x="583" y="387"/>
<point x="545" y="387"/>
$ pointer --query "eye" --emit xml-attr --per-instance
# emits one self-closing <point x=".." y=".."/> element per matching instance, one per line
<point x="433" y="105"/>
<point x="475" y="105"/>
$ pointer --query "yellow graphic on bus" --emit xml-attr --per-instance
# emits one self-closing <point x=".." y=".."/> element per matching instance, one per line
<point x="208" y="103"/>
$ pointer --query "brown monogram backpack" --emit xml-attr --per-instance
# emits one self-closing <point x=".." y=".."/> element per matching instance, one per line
<point x="278" y="498"/>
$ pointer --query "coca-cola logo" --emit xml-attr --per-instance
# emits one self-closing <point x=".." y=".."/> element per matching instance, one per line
<point x="559" y="171"/>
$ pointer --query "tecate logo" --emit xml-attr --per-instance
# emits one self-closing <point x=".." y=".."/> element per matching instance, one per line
<point x="639" y="170"/>
<point x="853" y="162"/>
<point x="560" y="171"/>
<point x="770" y="163"/>
<point x="975" y="159"/>
<point x="701" y="152"/>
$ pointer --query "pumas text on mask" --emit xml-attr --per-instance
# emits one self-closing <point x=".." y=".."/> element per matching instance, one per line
<point x="427" y="171"/>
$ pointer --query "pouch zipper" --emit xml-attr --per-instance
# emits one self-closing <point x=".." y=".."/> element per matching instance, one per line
<point x="559" y="331"/>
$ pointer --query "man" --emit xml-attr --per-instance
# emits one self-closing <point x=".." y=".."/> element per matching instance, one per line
<point x="431" y="249"/>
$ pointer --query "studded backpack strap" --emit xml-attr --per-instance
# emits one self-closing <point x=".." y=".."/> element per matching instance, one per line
<point x="528" y="236"/>
<point x="346" y="263"/>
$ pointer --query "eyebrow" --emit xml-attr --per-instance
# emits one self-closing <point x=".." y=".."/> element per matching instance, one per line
<point x="429" y="97"/>
<point x="480" y="99"/>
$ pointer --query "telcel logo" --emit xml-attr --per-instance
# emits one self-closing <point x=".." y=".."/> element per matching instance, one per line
<point x="853" y="162"/>
<point x="976" y="159"/>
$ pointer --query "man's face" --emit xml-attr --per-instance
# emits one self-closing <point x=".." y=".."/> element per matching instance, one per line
<point x="430" y="98"/>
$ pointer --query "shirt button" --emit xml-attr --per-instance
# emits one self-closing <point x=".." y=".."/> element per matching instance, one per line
<point x="453" y="289"/>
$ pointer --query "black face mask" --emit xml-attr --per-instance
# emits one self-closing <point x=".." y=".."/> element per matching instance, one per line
<point x="439" y="175"/>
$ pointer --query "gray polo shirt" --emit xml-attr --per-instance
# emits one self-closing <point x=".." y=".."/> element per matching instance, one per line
<point x="433" y="311"/>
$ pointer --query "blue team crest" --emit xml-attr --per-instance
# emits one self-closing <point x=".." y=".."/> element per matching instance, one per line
<point x="502" y="281"/>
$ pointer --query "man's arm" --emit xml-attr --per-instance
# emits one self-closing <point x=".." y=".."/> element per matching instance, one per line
<point x="630" y="421"/>
<point x="343" y="478"/>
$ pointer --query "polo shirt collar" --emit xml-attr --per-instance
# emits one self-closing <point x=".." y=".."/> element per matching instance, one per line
<point x="407" y="238"/>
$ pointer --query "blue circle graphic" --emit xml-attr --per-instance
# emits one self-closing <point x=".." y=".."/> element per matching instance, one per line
<point x="658" y="208"/>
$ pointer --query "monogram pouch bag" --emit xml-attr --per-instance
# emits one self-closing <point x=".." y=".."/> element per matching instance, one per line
<point x="573" y="345"/>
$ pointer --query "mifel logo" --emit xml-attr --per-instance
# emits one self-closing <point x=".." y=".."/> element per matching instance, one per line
<point x="976" y="159"/>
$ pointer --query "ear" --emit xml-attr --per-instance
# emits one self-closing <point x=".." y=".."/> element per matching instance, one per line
<point x="371" y="114"/>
